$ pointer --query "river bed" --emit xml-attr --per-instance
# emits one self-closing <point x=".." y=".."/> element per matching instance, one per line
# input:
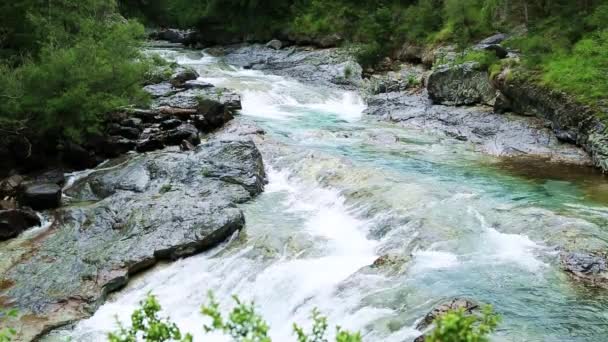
<point x="344" y="189"/>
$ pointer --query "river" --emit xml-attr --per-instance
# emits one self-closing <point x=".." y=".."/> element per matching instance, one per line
<point x="344" y="189"/>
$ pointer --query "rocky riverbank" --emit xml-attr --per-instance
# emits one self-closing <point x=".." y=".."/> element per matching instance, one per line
<point x="169" y="191"/>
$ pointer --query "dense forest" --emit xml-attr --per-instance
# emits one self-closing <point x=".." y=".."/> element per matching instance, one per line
<point x="65" y="63"/>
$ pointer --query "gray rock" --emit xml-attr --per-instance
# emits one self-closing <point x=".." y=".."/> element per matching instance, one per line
<point x="212" y="115"/>
<point x="126" y="132"/>
<point x="571" y="120"/>
<point x="161" y="89"/>
<point x="150" y="144"/>
<point x="462" y="84"/>
<point x="194" y="84"/>
<point x="184" y="132"/>
<point x="328" y="67"/>
<point x="10" y="185"/>
<point x="495" y="39"/>
<point x="274" y="44"/>
<point x="145" y="208"/>
<point x="13" y="222"/>
<point x="586" y="267"/>
<point x="41" y="196"/>
<point x="466" y="305"/>
<point x="171" y="35"/>
<point x="183" y="75"/>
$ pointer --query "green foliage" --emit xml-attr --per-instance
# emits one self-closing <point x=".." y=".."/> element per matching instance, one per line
<point x="485" y="59"/>
<point x="243" y="323"/>
<point x="457" y="326"/>
<point x="147" y="325"/>
<point x="66" y="64"/>
<point x="319" y="330"/>
<point x="582" y="71"/>
<point x="7" y="334"/>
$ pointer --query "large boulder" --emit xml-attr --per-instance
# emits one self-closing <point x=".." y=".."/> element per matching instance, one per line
<point x="77" y="157"/>
<point x="172" y="36"/>
<point x="41" y="196"/>
<point x="571" y="120"/>
<point x="143" y="209"/>
<point x="182" y="76"/>
<point x="586" y="267"/>
<point x="13" y="222"/>
<point x="211" y="115"/>
<point x="274" y="44"/>
<point x="183" y="132"/>
<point x="463" y="84"/>
<point x="10" y="185"/>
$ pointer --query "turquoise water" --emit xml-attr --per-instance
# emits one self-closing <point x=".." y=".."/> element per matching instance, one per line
<point x="344" y="190"/>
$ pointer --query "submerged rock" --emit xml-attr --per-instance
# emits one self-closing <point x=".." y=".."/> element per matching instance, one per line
<point x="589" y="268"/>
<point x="13" y="222"/>
<point x="145" y="208"/>
<point x="455" y="304"/>
<point x="462" y="84"/>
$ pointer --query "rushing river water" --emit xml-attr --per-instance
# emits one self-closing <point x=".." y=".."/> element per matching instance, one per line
<point x="344" y="190"/>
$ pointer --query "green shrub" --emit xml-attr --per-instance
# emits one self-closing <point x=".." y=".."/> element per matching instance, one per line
<point x="67" y="90"/>
<point x="7" y="334"/>
<point x="242" y="324"/>
<point x="485" y="59"/>
<point x="457" y="326"/>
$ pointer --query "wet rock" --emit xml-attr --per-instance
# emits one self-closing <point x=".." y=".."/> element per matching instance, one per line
<point x="77" y="157"/>
<point x="132" y="122"/>
<point x="170" y="124"/>
<point x="54" y="176"/>
<point x="329" y="40"/>
<point x="10" y="185"/>
<point x="161" y="89"/>
<point x="211" y="115"/>
<point x="274" y="44"/>
<point x="126" y="132"/>
<point x="495" y="39"/>
<point x="455" y="304"/>
<point x="586" y="267"/>
<point x="498" y="50"/>
<point x="182" y="76"/>
<point x="150" y="144"/>
<point x="184" y="132"/>
<point x="171" y="35"/>
<point x="13" y="222"/>
<point x="461" y="84"/>
<point x="321" y="67"/>
<point x="113" y="146"/>
<point x="41" y="196"/>
<point x="566" y="115"/>
<point x="197" y="85"/>
<point x="131" y="225"/>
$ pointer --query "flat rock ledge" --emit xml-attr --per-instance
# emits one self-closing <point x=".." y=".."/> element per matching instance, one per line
<point x="122" y="219"/>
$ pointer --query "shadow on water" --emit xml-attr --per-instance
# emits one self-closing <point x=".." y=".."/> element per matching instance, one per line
<point x="591" y="182"/>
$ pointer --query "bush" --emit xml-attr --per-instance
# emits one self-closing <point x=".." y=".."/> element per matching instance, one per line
<point x="7" y="334"/>
<point x="67" y="90"/>
<point x="243" y="324"/>
<point x="457" y="326"/>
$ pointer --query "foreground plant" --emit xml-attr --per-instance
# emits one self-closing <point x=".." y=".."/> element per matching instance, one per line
<point x="242" y="324"/>
<point x="457" y="326"/>
<point x="147" y="325"/>
<point x="7" y="334"/>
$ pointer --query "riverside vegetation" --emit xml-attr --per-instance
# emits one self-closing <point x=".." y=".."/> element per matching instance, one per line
<point x="244" y="324"/>
<point x="64" y="64"/>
